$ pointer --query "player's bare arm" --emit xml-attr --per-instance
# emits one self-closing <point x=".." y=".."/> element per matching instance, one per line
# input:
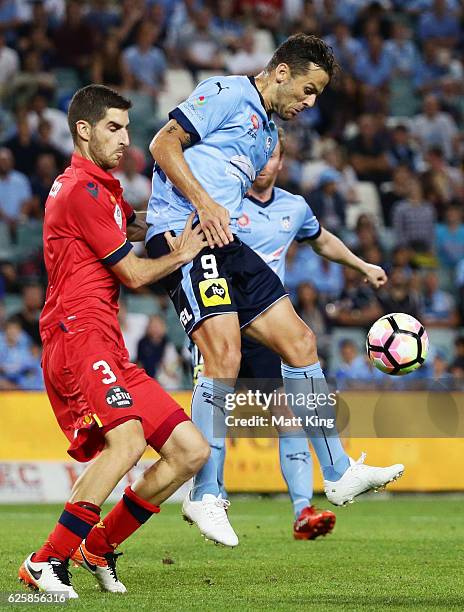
<point x="167" y="149"/>
<point x="329" y="246"/>
<point x="137" y="230"/>
<point x="135" y="272"/>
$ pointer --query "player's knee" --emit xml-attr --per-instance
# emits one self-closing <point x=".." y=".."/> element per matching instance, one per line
<point x="303" y="348"/>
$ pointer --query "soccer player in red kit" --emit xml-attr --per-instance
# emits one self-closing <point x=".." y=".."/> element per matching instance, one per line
<point x="108" y="408"/>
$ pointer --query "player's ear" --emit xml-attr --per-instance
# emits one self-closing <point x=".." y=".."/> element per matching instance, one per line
<point x="83" y="129"/>
<point x="282" y="73"/>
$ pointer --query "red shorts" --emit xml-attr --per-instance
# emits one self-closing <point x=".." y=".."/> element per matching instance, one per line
<point x="93" y="387"/>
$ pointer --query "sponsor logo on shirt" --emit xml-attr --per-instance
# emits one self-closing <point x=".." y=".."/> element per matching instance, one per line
<point x="118" y="397"/>
<point x="200" y="101"/>
<point x="118" y="216"/>
<point x="244" y="220"/>
<point x="255" y="126"/>
<point x="55" y="189"/>
<point x="194" y="110"/>
<point x="214" y="292"/>
<point x="286" y="223"/>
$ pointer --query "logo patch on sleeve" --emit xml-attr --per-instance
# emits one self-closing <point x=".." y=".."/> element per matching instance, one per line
<point x="118" y="397"/>
<point x="92" y="188"/>
<point x="214" y="292"/>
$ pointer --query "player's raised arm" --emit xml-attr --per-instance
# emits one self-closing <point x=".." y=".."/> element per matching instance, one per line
<point x="167" y="149"/>
<point x="329" y="246"/>
<point x="135" y="272"/>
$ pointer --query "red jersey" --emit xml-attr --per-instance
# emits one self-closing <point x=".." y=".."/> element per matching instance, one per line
<point x="84" y="233"/>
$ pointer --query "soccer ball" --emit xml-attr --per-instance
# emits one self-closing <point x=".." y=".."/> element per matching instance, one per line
<point x="397" y="344"/>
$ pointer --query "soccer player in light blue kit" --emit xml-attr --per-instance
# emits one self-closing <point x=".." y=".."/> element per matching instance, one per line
<point x="272" y="218"/>
<point x="207" y="157"/>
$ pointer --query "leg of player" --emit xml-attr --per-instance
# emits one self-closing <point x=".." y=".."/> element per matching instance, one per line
<point x="284" y="332"/>
<point x="47" y="569"/>
<point x="182" y="455"/>
<point x="218" y="339"/>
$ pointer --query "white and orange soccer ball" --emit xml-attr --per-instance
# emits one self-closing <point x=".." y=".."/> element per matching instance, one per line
<point x="397" y="344"/>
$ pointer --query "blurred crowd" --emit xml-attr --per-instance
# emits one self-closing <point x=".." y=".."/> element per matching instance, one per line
<point x="379" y="159"/>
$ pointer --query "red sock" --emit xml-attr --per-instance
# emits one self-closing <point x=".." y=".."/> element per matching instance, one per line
<point x="126" y="517"/>
<point x="73" y="526"/>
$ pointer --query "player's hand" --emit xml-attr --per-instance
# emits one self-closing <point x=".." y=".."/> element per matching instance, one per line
<point x="214" y="221"/>
<point x="189" y="243"/>
<point x="375" y="275"/>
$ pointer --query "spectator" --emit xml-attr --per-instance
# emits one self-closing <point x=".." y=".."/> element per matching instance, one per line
<point x="374" y="68"/>
<point x="443" y="182"/>
<point x="414" y="220"/>
<point x="402" y="51"/>
<point x="158" y="356"/>
<point x="450" y="238"/>
<point x="357" y="306"/>
<point x="133" y="326"/>
<point x="201" y="48"/>
<point x="225" y="26"/>
<point x="398" y="295"/>
<point x="41" y="182"/>
<point x="368" y="152"/>
<point x="346" y="48"/>
<point x="23" y="147"/>
<point x="247" y="60"/>
<point x="366" y="236"/>
<point x="401" y="150"/>
<point x="460" y="287"/>
<point x="9" y="63"/>
<point x="309" y="309"/>
<point x="28" y="317"/>
<point x="297" y="269"/>
<point x="439" y="25"/>
<point x="102" y="16"/>
<point x="17" y="360"/>
<point x="107" y="65"/>
<point x="438" y="306"/>
<point x="431" y="69"/>
<point x="137" y="187"/>
<point x="32" y="77"/>
<point x="395" y="192"/>
<point x="60" y="136"/>
<point x="434" y="128"/>
<point x="353" y="370"/>
<point x="15" y="192"/>
<point x="144" y="63"/>
<point x="325" y="275"/>
<point x="75" y="39"/>
<point x="327" y="202"/>
<point x="43" y="138"/>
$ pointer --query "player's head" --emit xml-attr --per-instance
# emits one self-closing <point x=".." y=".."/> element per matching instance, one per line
<point x="297" y="73"/>
<point x="268" y="175"/>
<point x="98" y="118"/>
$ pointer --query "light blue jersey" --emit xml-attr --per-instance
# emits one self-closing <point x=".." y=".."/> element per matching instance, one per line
<point x="232" y="138"/>
<point x="270" y="227"/>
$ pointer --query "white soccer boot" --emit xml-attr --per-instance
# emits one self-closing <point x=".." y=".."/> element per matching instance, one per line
<point x="50" y="576"/>
<point x="360" y="478"/>
<point x="103" y="568"/>
<point x="210" y="517"/>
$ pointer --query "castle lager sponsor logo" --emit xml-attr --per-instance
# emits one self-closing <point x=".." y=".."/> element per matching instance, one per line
<point x="118" y="397"/>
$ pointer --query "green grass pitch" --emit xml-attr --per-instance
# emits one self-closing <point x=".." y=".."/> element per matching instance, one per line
<point x="400" y="553"/>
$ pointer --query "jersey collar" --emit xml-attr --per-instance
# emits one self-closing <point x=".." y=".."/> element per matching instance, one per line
<point x="107" y="179"/>
<point x="253" y="82"/>
<point x="258" y="202"/>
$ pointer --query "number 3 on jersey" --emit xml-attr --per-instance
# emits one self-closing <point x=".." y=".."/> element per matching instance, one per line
<point x="106" y="371"/>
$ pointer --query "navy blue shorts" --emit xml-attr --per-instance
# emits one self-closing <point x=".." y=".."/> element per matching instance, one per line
<point x="218" y="281"/>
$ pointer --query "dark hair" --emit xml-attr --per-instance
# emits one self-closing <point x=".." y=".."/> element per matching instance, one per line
<point x="299" y="51"/>
<point x="91" y="103"/>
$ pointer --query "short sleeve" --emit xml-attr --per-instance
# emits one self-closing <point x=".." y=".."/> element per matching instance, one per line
<point x="128" y="211"/>
<point x="96" y="224"/>
<point x="209" y="106"/>
<point x="310" y="228"/>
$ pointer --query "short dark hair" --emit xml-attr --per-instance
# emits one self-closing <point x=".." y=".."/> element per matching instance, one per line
<point x="91" y="103"/>
<point x="299" y="50"/>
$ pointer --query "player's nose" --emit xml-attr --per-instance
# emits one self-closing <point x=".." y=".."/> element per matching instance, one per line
<point x="125" y="140"/>
<point x="310" y="101"/>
